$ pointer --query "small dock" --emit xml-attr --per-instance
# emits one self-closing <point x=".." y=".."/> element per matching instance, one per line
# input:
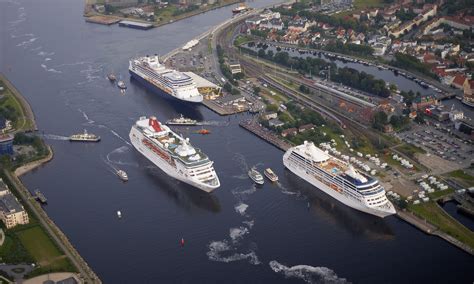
<point x="221" y="110"/>
<point x="102" y="20"/>
<point x="40" y="197"/>
<point x="265" y="134"/>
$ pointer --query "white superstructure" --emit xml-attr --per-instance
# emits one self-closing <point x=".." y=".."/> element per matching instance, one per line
<point x="338" y="179"/>
<point x="150" y="71"/>
<point x="173" y="154"/>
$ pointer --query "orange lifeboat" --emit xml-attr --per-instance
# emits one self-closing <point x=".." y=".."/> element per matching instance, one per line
<point x="203" y="131"/>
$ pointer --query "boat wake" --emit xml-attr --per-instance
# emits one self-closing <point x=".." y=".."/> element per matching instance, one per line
<point x="27" y="43"/>
<point x="84" y="114"/>
<point x="219" y="251"/>
<point x="120" y="137"/>
<point x="119" y="150"/>
<point x="307" y="273"/>
<point x="55" y="137"/>
<point x="284" y="190"/>
<point x="241" y="208"/>
<point x="50" y="69"/>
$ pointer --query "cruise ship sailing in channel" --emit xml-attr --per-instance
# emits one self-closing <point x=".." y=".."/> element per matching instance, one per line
<point x="154" y="75"/>
<point x="173" y="154"/>
<point x="338" y="179"/>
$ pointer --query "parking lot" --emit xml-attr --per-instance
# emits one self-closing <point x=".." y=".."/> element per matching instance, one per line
<point x="438" y="141"/>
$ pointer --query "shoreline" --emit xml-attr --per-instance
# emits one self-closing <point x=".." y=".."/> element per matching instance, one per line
<point x="160" y="24"/>
<point x="59" y="238"/>
<point x="23" y="103"/>
<point x="23" y="169"/>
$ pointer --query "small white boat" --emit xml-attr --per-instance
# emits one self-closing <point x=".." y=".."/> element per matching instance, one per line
<point x="256" y="176"/>
<point x="121" y="85"/>
<point x="122" y="175"/>
<point x="119" y="214"/>
<point x="270" y="175"/>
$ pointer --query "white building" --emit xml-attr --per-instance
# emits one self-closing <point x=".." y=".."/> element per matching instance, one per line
<point x="12" y="212"/>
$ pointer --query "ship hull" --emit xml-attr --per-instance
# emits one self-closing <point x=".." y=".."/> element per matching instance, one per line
<point x="333" y="193"/>
<point x="163" y="165"/>
<point x="83" y="140"/>
<point x="469" y="104"/>
<point x="158" y="90"/>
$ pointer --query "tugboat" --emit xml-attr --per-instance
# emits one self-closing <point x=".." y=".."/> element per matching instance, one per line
<point x="270" y="175"/>
<point x="84" y="137"/>
<point x="122" y="175"/>
<point x="181" y="120"/>
<point x="111" y="77"/>
<point x="121" y="85"/>
<point x="256" y="176"/>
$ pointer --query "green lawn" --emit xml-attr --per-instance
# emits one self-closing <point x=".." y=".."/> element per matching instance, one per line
<point x="440" y="193"/>
<point x="462" y="176"/>
<point x="364" y="4"/>
<point x="10" y="101"/>
<point x="42" y="249"/>
<point x="438" y="217"/>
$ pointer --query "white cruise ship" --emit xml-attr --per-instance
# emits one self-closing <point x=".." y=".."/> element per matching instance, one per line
<point x="149" y="71"/>
<point x="338" y="179"/>
<point x="173" y="154"/>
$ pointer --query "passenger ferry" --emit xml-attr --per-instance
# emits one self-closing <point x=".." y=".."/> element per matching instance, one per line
<point x="270" y="175"/>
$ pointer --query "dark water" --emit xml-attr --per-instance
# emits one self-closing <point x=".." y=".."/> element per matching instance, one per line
<point x="451" y="208"/>
<point x="69" y="93"/>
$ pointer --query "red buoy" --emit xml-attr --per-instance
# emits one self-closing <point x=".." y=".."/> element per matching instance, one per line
<point x="182" y="242"/>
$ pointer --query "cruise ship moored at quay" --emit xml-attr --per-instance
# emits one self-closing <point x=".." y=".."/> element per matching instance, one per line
<point x="149" y="71"/>
<point x="173" y="154"/>
<point x="338" y="179"/>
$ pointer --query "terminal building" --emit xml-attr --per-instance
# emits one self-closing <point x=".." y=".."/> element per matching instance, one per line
<point x="6" y="144"/>
<point x="12" y="212"/>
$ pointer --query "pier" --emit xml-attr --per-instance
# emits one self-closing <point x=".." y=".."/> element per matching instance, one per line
<point x="40" y="197"/>
<point x="265" y="134"/>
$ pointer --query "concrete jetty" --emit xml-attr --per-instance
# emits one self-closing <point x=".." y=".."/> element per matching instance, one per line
<point x="265" y="134"/>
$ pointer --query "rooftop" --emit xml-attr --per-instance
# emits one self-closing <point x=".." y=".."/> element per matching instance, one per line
<point x="9" y="204"/>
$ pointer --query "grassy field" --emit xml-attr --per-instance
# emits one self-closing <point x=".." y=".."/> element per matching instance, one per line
<point x="364" y="4"/>
<point x="440" y="193"/>
<point x="462" y="177"/>
<point x="20" y="120"/>
<point x="434" y="214"/>
<point x="41" y="248"/>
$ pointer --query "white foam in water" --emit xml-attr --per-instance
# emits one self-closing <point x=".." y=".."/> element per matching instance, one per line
<point x="55" y="137"/>
<point x="50" y="69"/>
<point x="44" y="53"/>
<point x="307" y="273"/>
<point x="22" y="35"/>
<point x="249" y="223"/>
<point x="241" y="208"/>
<point x="47" y="59"/>
<point x="244" y="192"/>
<point x="217" y="248"/>
<point x="120" y="137"/>
<point x="90" y="121"/>
<point x="237" y="233"/>
<point x="27" y="42"/>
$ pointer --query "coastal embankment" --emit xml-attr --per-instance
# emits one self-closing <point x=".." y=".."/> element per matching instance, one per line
<point x="53" y="230"/>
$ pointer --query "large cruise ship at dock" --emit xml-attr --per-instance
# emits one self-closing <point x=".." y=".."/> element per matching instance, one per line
<point x="154" y="75"/>
<point x="338" y="179"/>
<point x="173" y="154"/>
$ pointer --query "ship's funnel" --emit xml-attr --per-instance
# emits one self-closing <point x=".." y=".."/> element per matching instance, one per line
<point x="153" y="122"/>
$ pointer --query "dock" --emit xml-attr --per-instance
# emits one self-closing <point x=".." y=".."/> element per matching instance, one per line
<point x="265" y="134"/>
<point x="135" y="25"/>
<point x="40" y="197"/>
<point x="102" y="20"/>
<point x="221" y="110"/>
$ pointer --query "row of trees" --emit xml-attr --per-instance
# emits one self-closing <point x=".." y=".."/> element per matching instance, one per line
<point x="381" y="119"/>
<point x="350" y="48"/>
<point x="409" y="62"/>
<point x="361" y="81"/>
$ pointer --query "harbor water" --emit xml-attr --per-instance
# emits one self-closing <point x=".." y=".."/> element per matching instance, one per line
<point x="278" y="233"/>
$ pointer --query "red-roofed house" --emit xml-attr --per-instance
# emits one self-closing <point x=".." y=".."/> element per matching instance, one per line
<point x="459" y="81"/>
